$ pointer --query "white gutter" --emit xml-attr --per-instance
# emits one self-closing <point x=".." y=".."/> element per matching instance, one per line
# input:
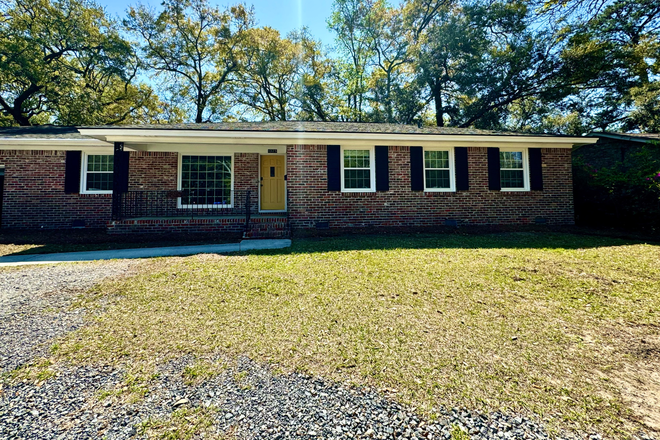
<point x="148" y="136"/>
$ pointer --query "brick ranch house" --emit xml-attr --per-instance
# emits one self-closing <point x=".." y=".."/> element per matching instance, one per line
<point x="267" y="177"/>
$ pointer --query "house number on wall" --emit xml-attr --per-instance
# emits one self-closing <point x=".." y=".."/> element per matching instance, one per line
<point x="272" y="150"/>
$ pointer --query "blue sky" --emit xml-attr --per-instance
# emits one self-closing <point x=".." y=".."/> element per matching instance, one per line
<point x="283" y="15"/>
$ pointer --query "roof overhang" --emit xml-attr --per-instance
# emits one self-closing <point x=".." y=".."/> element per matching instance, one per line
<point x="622" y="137"/>
<point x="51" y="144"/>
<point x="156" y="139"/>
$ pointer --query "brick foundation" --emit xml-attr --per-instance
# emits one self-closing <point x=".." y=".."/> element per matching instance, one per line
<point x="310" y="202"/>
<point x="227" y="224"/>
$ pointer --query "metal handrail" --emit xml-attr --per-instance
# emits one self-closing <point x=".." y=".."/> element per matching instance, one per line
<point x="247" y="213"/>
<point x="163" y="203"/>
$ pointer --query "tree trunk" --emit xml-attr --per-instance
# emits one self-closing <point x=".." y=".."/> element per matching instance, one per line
<point x="437" y="99"/>
<point x="201" y="105"/>
<point x="388" y="99"/>
<point x="21" y="119"/>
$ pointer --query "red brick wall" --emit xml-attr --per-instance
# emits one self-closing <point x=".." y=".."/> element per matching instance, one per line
<point x="153" y="171"/>
<point x="34" y="187"/>
<point x="34" y="193"/>
<point x="310" y="202"/>
<point x="246" y="177"/>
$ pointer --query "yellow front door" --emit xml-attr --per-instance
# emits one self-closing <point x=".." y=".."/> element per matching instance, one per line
<point x="272" y="183"/>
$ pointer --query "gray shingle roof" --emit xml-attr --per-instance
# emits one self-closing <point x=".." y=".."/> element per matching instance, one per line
<point x="61" y="132"/>
<point x="635" y="137"/>
<point x="41" y="132"/>
<point x="322" y="127"/>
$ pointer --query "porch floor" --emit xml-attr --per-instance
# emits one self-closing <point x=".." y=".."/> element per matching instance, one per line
<point x="261" y="225"/>
<point x="211" y="217"/>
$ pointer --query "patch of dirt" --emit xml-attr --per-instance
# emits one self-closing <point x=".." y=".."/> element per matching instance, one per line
<point x="638" y="377"/>
<point x="640" y="389"/>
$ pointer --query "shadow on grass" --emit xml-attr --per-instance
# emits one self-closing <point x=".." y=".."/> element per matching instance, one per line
<point x="78" y="240"/>
<point x="54" y="241"/>
<point x="463" y="238"/>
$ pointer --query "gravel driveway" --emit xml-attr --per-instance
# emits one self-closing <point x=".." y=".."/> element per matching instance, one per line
<point x="34" y="301"/>
<point x="259" y="405"/>
<point x="248" y="399"/>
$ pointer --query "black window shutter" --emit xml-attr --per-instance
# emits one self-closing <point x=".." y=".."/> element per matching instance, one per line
<point x="334" y="168"/>
<point x="120" y="181"/>
<point x="417" y="168"/>
<point x="535" y="169"/>
<point x="382" y="169"/>
<point x="494" y="169"/>
<point x="72" y="170"/>
<point x="462" y="174"/>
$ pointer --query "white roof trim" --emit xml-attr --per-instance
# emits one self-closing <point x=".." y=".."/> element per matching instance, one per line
<point x="296" y="138"/>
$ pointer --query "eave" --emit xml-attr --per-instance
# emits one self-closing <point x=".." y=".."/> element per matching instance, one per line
<point x="621" y="137"/>
<point x="149" y="139"/>
<point x="51" y="144"/>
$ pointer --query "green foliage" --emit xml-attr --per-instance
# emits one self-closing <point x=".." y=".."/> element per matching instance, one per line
<point x="555" y="66"/>
<point x="196" y="51"/>
<point x="625" y="195"/>
<point x="615" y="57"/>
<point x="63" y="61"/>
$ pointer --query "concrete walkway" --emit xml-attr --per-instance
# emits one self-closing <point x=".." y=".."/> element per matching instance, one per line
<point x="170" y="251"/>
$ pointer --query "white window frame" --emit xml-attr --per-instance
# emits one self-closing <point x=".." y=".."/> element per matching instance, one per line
<point x="452" y="169"/>
<point x="525" y="169"/>
<point x="83" y="172"/>
<point x="180" y="177"/>
<point x="372" y="168"/>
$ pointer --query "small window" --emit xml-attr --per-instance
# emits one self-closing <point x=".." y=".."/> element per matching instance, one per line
<point x="357" y="170"/>
<point x="206" y="181"/>
<point x="513" y="170"/>
<point x="97" y="173"/>
<point x="438" y="170"/>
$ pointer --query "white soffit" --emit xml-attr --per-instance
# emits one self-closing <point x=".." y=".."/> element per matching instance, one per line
<point x="187" y="137"/>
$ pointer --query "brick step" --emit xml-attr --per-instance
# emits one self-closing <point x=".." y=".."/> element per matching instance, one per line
<point x="268" y="227"/>
<point x="281" y="233"/>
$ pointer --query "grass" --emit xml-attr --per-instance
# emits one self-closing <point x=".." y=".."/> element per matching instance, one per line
<point x="543" y="324"/>
<point x="184" y="423"/>
<point x="18" y="242"/>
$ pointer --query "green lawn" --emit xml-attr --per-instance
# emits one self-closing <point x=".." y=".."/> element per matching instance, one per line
<point x="558" y="325"/>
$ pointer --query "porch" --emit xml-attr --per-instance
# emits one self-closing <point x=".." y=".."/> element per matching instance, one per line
<point x="239" y="189"/>
<point x="174" y="211"/>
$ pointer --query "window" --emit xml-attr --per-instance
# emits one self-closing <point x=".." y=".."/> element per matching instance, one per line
<point x="439" y="170"/>
<point x="97" y="173"/>
<point x="357" y="170"/>
<point x="514" y="170"/>
<point x="206" y="181"/>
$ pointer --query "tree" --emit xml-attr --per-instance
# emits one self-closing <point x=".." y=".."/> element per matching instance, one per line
<point x="391" y="46"/>
<point x="444" y="53"/>
<point x="197" y="50"/>
<point x="272" y="72"/>
<point x="618" y="53"/>
<point x="353" y="22"/>
<point x="62" y="55"/>
<point x="319" y="90"/>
